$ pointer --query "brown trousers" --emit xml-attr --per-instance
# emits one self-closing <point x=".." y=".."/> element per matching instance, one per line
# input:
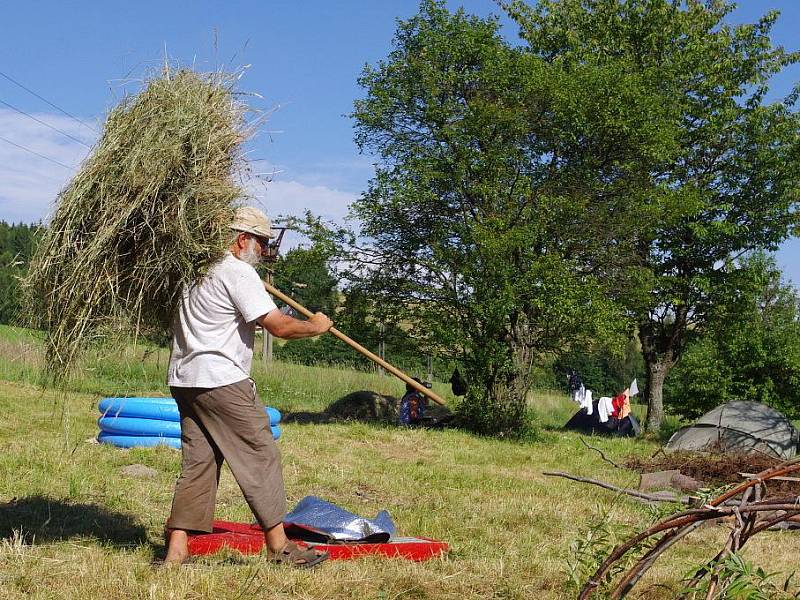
<point x="225" y="423"/>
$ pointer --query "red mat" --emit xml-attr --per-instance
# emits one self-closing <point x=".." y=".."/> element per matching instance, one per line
<point x="249" y="539"/>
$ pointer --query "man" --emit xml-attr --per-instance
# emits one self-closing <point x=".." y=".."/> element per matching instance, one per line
<point x="221" y="415"/>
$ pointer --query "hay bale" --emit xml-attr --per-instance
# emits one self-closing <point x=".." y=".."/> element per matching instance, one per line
<point x="365" y="406"/>
<point x="147" y="214"/>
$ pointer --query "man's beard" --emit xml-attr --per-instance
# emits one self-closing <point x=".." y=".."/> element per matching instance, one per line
<point x="252" y="253"/>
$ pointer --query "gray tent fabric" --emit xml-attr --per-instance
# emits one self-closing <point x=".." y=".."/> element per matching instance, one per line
<point x="741" y="427"/>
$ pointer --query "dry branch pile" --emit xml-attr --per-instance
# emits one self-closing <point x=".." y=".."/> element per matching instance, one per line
<point x="714" y="470"/>
<point x="147" y="213"/>
<point x="752" y="510"/>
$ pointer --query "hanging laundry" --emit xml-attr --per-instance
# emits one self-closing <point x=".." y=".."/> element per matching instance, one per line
<point x="605" y="408"/>
<point x="625" y="409"/>
<point x="575" y="386"/>
<point x="587" y="402"/>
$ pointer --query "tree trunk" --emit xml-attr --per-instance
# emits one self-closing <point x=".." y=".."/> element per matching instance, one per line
<point x="509" y="399"/>
<point x="662" y="345"/>
<point x="656" y="374"/>
<point x="499" y="406"/>
<point x="496" y="407"/>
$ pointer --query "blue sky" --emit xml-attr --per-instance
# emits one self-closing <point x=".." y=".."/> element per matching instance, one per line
<point x="305" y="57"/>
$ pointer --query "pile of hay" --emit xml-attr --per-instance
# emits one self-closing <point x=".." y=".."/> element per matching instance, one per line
<point x="365" y="406"/>
<point x="147" y="213"/>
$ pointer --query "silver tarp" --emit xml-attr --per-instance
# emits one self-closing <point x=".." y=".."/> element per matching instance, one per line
<point x="317" y="516"/>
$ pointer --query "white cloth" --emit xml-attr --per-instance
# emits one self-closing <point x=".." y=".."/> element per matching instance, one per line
<point x="587" y="402"/>
<point x="605" y="407"/>
<point x="634" y="389"/>
<point x="214" y="330"/>
<point x="584" y="398"/>
<point x="578" y="394"/>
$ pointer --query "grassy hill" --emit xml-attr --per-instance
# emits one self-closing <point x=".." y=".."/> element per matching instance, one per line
<point x="73" y="526"/>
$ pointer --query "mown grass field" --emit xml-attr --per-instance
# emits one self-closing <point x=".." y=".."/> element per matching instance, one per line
<point x="73" y="526"/>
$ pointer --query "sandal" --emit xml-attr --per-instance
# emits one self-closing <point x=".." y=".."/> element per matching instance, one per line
<point x="297" y="556"/>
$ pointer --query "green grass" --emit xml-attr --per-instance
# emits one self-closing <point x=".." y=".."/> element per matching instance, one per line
<point x="72" y="526"/>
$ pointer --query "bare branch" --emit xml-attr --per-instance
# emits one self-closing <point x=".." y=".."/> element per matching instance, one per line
<point x="600" y="452"/>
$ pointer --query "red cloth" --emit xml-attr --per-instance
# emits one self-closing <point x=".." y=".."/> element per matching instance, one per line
<point x="618" y="402"/>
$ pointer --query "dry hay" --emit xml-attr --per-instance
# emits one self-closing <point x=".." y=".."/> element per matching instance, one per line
<point x="366" y="406"/>
<point x="147" y="213"/>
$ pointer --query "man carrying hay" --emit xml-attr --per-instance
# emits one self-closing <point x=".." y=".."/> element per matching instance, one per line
<point x="222" y="417"/>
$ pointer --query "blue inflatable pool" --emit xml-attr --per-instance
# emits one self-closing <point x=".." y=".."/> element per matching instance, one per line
<point x="274" y="415"/>
<point x="137" y="441"/>
<point x="165" y="409"/>
<point x="144" y="422"/>
<point x="128" y="437"/>
<point x="143" y="427"/>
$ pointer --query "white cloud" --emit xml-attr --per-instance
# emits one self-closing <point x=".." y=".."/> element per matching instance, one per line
<point x="29" y="183"/>
<point x="352" y="173"/>
<point x="293" y="198"/>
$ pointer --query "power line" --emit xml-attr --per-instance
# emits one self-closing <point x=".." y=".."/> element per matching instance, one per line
<point x="45" y="100"/>
<point x="52" y="160"/>
<point x="22" y="112"/>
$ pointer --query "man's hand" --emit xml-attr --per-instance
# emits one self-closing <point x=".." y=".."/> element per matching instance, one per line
<point x="289" y="328"/>
<point x="321" y="322"/>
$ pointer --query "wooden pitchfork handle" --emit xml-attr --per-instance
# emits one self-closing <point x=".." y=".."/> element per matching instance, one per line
<point x="356" y="346"/>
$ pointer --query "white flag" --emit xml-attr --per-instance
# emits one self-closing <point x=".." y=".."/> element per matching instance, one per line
<point x="634" y="389"/>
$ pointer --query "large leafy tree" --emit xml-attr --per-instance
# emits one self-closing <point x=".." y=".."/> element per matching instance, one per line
<point x="752" y="350"/>
<point x="498" y="218"/>
<point x="729" y="185"/>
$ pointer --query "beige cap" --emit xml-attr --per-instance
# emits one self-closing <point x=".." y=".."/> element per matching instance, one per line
<point x="252" y="220"/>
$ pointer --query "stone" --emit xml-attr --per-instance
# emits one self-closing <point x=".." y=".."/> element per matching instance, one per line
<point x="685" y="483"/>
<point x="659" y="480"/>
<point x="672" y="479"/>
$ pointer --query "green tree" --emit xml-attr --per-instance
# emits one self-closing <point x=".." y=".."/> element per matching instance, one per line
<point x="17" y="243"/>
<point x="497" y="220"/>
<point x="369" y="322"/>
<point x="304" y="274"/>
<point x="751" y="350"/>
<point x="729" y="182"/>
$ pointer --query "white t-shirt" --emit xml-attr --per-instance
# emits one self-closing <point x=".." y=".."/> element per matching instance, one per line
<point x="214" y="330"/>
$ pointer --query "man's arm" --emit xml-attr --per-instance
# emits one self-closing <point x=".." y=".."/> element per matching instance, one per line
<point x="289" y="328"/>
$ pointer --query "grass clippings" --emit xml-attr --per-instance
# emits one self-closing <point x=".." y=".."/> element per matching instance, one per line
<point x="147" y="214"/>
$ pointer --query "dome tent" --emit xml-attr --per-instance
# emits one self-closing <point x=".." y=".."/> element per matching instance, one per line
<point x="739" y="427"/>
